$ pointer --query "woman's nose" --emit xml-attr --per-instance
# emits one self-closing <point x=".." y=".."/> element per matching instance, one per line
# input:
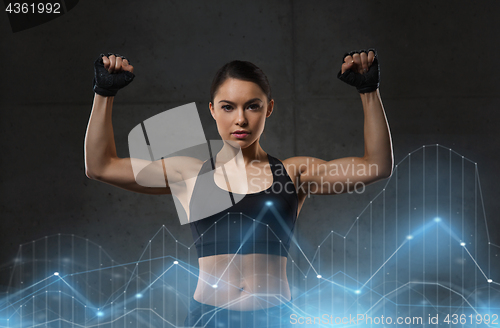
<point x="241" y="119"/>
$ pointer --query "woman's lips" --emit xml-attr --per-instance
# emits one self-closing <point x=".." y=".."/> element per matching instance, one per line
<point x="240" y="135"/>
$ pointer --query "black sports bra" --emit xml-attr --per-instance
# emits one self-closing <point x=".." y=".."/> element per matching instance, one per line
<point x="261" y="222"/>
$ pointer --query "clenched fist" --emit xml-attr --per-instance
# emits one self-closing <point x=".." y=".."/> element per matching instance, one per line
<point x="112" y="72"/>
<point x="361" y="69"/>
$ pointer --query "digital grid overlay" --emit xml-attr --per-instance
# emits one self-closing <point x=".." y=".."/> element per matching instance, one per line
<point x="420" y="249"/>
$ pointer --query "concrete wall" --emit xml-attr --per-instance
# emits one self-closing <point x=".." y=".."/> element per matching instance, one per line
<point x="439" y="84"/>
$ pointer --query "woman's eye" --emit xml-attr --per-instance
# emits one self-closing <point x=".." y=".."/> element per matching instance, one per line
<point x="251" y="107"/>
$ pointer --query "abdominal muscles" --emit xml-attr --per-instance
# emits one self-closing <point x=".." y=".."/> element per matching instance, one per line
<point x="243" y="282"/>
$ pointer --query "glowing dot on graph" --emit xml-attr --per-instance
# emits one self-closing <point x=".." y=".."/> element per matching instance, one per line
<point x="409" y="237"/>
<point x="269" y="203"/>
<point x="462" y="244"/>
<point x="358" y="292"/>
<point x="490" y="281"/>
<point x="318" y="276"/>
<point x="437" y="219"/>
<point x="138" y="295"/>
<point x="100" y="314"/>
<point x="56" y="273"/>
<point x="214" y="286"/>
<point x="176" y="262"/>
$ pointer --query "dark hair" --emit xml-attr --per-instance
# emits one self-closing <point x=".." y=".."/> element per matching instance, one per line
<point x="241" y="70"/>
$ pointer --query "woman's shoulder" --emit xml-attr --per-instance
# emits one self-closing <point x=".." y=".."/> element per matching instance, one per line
<point x="296" y="160"/>
<point x="187" y="166"/>
<point x="299" y="164"/>
<point x="292" y="165"/>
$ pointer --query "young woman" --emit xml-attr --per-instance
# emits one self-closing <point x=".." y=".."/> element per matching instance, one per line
<point x="242" y="249"/>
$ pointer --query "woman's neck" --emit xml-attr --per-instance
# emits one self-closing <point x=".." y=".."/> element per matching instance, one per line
<point x="242" y="156"/>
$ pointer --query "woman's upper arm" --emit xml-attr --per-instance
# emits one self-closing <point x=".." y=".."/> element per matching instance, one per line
<point x="317" y="176"/>
<point x="145" y="176"/>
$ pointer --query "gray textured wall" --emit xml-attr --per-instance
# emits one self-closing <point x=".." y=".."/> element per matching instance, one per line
<point x="439" y="85"/>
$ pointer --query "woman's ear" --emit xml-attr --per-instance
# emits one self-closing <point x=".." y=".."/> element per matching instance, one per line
<point x="211" y="107"/>
<point x="270" y="107"/>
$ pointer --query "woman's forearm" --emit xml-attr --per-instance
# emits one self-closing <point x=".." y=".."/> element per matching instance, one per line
<point x="378" y="144"/>
<point x="100" y="146"/>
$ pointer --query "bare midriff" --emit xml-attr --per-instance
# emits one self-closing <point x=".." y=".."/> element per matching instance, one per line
<point x="242" y="282"/>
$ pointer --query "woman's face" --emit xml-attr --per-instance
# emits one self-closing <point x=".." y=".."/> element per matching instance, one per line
<point x="240" y="110"/>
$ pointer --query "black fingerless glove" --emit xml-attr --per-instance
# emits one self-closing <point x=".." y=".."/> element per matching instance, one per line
<point x="107" y="84"/>
<point x="367" y="82"/>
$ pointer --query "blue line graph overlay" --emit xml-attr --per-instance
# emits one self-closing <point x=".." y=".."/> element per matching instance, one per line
<point x="420" y="249"/>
